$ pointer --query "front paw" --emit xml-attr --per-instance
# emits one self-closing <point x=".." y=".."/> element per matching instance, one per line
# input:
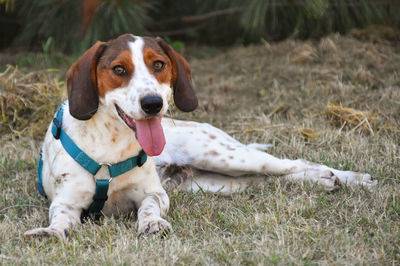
<point x="153" y="225"/>
<point x="46" y="233"/>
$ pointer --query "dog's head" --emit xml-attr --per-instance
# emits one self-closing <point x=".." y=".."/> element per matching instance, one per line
<point x="136" y="77"/>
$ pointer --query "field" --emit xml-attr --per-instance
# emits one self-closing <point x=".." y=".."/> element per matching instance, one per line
<point x="335" y="101"/>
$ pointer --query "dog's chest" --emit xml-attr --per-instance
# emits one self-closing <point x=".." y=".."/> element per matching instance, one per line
<point x="104" y="138"/>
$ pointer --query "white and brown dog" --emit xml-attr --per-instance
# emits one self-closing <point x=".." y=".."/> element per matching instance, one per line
<point x="117" y="93"/>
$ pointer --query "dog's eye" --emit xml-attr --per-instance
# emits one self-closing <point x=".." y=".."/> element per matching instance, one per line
<point x="119" y="71"/>
<point x="158" y="65"/>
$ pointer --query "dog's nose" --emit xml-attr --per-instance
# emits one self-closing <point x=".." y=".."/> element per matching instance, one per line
<point x="151" y="104"/>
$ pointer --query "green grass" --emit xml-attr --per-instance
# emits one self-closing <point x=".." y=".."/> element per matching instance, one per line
<point x="278" y="223"/>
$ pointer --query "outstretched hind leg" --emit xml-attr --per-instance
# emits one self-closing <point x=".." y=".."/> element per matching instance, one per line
<point x="202" y="146"/>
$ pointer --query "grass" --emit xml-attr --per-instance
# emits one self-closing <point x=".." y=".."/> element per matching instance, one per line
<point x="257" y="93"/>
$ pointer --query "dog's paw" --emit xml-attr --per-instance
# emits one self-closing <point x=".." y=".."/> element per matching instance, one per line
<point x="325" y="178"/>
<point x="154" y="226"/>
<point x="46" y="233"/>
<point x="350" y="178"/>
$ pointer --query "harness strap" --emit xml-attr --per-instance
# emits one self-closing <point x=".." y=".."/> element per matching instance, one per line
<point x="99" y="199"/>
<point x="124" y="166"/>
<point x="90" y="165"/>
<point x="40" y="188"/>
<point x="73" y="150"/>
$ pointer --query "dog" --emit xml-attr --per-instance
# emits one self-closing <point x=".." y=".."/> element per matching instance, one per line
<point x="118" y="92"/>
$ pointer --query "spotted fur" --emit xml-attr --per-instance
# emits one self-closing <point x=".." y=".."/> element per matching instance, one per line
<point x="195" y="156"/>
<point x="211" y="160"/>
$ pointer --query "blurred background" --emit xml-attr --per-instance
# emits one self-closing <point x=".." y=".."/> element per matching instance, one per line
<point x="257" y="48"/>
<point x="73" y="25"/>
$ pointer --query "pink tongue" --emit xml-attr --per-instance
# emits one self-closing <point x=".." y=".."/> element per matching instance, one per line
<point x="150" y="135"/>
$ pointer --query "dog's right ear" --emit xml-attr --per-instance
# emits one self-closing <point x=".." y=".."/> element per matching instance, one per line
<point x="184" y="96"/>
<point x="82" y="83"/>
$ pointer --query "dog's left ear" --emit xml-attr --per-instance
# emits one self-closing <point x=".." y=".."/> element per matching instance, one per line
<point x="184" y="97"/>
<point x="83" y="97"/>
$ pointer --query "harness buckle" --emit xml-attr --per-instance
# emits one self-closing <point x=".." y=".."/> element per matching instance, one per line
<point x="57" y="124"/>
<point x="140" y="158"/>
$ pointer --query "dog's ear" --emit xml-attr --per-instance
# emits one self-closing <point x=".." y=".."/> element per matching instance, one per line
<point x="184" y="97"/>
<point x="82" y="83"/>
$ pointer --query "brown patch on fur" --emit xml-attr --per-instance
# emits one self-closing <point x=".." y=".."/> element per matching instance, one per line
<point x="69" y="207"/>
<point x="130" y="146"/>
<point x="114" y="137"/>
<point x="128" y="151"/>
<point x="117" y="53"/>
<point x="214" y="153"/>
<point x="61" y="179"/>
<point x="231" y="157"/>
<point x="212" y="136"/>
<point x="150" y="55"/>
<point x="107" y="125"/>
<point x="107" y="80"/>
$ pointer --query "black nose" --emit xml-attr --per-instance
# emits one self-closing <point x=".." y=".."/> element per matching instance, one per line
<point x="151" y="104"/>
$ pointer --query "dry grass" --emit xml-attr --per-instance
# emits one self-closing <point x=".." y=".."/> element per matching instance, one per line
<point x="28" y="101"/>
<point x="343" y="116"/>
<point x="257" y="93"/>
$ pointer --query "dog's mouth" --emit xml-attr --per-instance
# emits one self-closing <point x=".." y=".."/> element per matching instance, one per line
<point x="126" y="118"/>
<point x="149" y="132"/>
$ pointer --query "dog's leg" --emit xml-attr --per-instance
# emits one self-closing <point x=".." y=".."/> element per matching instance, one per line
<point x="65" y="211"/>
<point x="62" y="216"/>
<point x="67" y="203"/>
<point x="150" y="199"/>
<point x="153" y="206"/>
<point x="205" y="147"/>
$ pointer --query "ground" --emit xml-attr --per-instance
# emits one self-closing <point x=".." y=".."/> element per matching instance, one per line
<point x="278" y="93"/>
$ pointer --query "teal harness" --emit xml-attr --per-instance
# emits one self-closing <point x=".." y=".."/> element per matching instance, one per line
<point x="89" y="165"/>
